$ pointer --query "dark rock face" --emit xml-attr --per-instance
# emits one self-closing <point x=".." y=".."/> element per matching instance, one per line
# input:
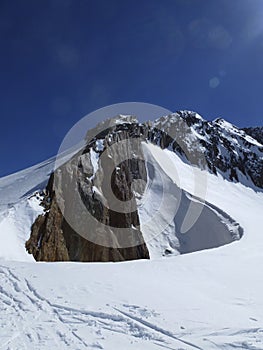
<point x="218" y="145"/>
<point x="83" y="201"/>
<point x="256" y="133"/>
<point x="55" y="236"/>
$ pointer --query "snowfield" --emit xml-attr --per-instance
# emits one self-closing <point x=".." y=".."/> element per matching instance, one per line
<point x="211" y="299"/>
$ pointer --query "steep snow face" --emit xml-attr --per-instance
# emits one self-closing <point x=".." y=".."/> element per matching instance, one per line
<point x="172" y="220"/>
<point x="242" y="203"/>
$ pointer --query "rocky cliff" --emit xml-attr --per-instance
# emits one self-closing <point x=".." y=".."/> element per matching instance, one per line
<point x="54" y="235"/>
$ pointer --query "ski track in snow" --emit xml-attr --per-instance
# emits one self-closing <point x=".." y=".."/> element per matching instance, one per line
<point x="26" y="307"/>
<point x="34" y="320"/>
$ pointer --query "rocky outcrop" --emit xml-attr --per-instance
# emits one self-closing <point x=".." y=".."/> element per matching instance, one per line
<point x="79" y="223"/>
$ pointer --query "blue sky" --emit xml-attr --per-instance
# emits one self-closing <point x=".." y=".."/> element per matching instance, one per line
<point x="62" y="59"/>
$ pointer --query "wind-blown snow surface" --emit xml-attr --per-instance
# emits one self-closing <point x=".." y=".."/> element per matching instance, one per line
<point x="208" y="300"/>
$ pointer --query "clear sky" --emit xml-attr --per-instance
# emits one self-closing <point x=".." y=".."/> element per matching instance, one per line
<point x="62" y="59"/>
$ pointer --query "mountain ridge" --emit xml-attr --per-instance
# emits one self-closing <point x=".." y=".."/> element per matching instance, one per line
<point x="217" y="147"/>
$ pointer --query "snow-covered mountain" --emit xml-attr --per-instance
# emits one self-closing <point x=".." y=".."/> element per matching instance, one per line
<point x="116" y="169"/>
<point x="210" y="299"/>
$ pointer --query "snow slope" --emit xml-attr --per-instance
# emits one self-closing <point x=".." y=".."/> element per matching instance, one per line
<point x="210" y="299"/>
<point x="15" y="228"/>
<point x="21" y="185"/>
<point x="174" y="221"/>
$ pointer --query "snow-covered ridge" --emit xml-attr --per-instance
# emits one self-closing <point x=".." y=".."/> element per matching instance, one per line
<point x="218" y="145"/>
